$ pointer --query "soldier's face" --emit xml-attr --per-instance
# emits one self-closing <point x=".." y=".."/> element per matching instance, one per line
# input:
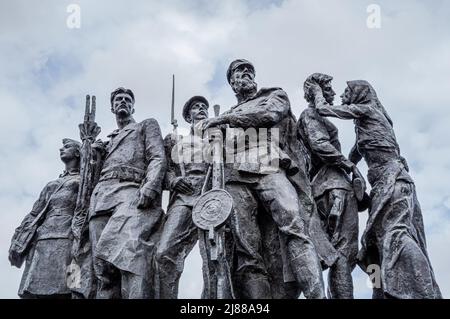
<point x="243" y="79"/>
<point x="123" y="105"/>
<point x="243" y="72"/>
<point x="199" y="111"/>
<point x="346" y="96"/>
<point x="69" y="152"/>
<point x="328" y="92"/>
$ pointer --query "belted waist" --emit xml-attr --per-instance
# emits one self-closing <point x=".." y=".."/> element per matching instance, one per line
<point x="124" y="173"/>
<point x="196" y="168"/>
<point x="60" y="211"/>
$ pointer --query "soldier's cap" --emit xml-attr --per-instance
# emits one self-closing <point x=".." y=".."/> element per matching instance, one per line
<point x="188" y="105"/>
<point x="235" y="64"/>
<point x="70" y="142"/>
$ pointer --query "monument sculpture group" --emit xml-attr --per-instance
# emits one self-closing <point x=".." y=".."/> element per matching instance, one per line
<point x="272" y="202"/>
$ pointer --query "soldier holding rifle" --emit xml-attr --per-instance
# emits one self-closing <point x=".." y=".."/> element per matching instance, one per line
<point x="185" y="178"/>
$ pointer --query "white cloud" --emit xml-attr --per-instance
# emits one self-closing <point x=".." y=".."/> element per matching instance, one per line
<point x="47" y="69"/>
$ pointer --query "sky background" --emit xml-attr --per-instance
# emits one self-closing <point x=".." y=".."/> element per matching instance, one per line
<point x="46" y="69"/>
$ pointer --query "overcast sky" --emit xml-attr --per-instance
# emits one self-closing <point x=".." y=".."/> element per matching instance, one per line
<point x="46" y="69"/>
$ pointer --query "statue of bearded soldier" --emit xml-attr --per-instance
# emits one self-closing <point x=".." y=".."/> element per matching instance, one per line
<point x="332" y="188"/>
<point x="44" y="238"/>
<point x="185" y="178"/>
<point x="394" y="237"/>
<point x="279" y="191"/>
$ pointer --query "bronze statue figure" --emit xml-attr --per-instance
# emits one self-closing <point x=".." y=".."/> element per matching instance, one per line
<point x="184" y="180"/>
<point x="44" y="238"/>
<point x="394" y="237"/>
<point x="332" y="188"/>
<point x="125" y="213"/>
<point x="271" y="201"/>
<point x="257" y="184"/>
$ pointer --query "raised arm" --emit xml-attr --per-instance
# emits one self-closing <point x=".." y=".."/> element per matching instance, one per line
<point x="345" y="112"/>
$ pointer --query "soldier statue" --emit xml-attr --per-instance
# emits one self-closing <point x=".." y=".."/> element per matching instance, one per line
<point x="332" y="188"/>
<point x="394" y="238"/>
<point x="125" y="214"/>
<point x="185" y="178"/>
<point x="44" y="239"/>
<point x="262" y="184"/>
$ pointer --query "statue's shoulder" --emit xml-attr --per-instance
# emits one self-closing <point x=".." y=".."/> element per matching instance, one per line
<point x="308" y="113"/>
<point x="150" y="124"/>
<point x="52" y="185"/>
<point x="272" y="91"/>
<point x="149" y="121"/>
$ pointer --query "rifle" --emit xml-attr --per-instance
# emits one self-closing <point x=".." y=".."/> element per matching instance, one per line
<point x="210" y="213"/>
<point x="175" y="129"/>
<point x="89" y="172"/>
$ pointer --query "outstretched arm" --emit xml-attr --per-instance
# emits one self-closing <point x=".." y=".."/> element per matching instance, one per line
<point x="267" y="113"/>
<point x="345" y="112"/>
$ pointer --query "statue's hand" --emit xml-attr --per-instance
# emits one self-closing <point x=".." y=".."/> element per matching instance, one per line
<point x="312" y="88"/>
<point x="212" y="122"/>
<point x="99" y="148"/>
<point x="359" y="184"/>
<point x="89" y="131"/>
<point x="145" y="198"/>
<point x="183" y="185"/>
<point x="14" y="258"/>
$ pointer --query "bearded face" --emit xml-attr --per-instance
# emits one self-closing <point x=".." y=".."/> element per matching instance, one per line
<point x="242" y="80"/>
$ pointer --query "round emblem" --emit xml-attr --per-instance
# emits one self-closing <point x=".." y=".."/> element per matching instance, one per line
<point x="212" y="209"/>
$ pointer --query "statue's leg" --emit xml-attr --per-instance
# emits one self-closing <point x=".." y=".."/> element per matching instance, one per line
<point x="251" y="280"/>
<point x="340" y="280"/>
<point x="344" y="237"/>
<point x="405" y="268"/>
<point x="280" y="198"/>
<point x="134" y="286"/>
<point x="177" y="240"/>
<point x="108" y="278"/>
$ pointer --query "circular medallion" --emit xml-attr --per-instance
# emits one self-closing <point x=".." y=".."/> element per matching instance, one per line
<point x="212" y="209"/>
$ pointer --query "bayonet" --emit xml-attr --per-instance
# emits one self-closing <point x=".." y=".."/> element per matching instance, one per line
<point x="175" y="130"/>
